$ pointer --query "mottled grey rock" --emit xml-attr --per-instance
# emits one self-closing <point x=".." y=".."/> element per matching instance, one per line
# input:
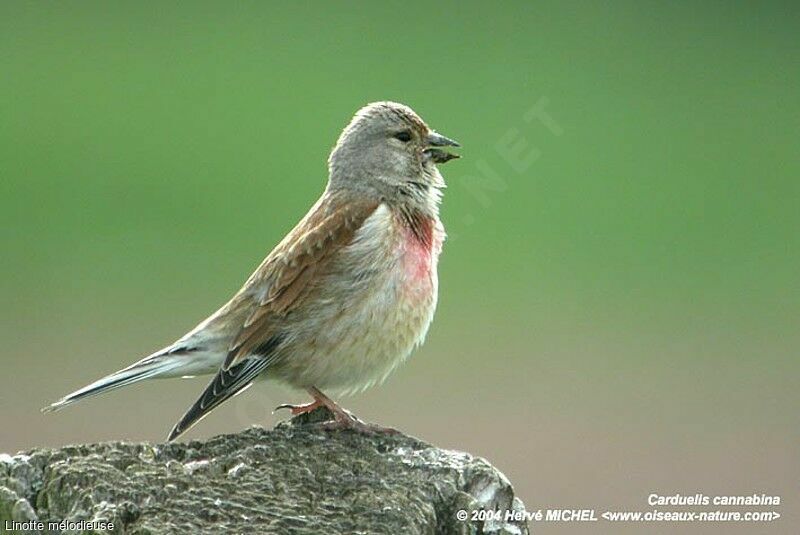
<point x="296" y="478"/>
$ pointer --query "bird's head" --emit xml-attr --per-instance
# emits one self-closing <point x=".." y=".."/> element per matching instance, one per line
<point x="387" y="145"/>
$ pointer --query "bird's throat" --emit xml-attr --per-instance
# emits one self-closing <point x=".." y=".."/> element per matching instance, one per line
<point x="420" y="226"/>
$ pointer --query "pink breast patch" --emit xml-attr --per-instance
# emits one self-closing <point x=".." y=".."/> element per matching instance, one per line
<point x="419" y="253"/>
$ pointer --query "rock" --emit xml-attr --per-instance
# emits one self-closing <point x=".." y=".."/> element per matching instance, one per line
<point x="296" y="478"/>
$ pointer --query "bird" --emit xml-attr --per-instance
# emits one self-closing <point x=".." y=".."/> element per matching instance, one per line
<point x="344" y="298"/>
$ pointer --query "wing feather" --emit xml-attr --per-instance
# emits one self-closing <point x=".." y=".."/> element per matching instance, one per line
<point x="225" y="385"/>
<point x="280" y="285"/>
<point x="288" y="274"/>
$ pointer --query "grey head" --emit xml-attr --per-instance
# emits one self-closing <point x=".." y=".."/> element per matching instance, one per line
<point x="388" y="150"/>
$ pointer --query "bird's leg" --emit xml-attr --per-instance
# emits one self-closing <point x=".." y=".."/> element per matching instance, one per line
<point x="340" y="415"/>
<point x="344" y="419"/>
<point x="320" y="400"/>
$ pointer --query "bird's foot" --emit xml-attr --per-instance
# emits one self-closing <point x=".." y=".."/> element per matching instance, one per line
<point x="342" y="418"/>
<point x="359" y="426"/>
<point x="299" y="409"/>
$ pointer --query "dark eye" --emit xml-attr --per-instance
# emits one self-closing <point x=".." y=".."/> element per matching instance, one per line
<point x="404" y="136"/>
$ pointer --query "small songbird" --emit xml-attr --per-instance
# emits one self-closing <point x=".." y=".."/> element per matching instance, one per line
<point x="344" y="297"/>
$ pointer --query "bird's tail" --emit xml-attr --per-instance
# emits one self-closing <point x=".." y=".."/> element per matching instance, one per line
<point x="225" y="385"/>
<point x="158" y="365"/>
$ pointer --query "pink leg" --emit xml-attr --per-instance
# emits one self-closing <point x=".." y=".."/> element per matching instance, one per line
<point x="342" y="419"/>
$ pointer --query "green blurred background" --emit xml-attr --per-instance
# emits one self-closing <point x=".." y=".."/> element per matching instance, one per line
<point x="619" y="302"/>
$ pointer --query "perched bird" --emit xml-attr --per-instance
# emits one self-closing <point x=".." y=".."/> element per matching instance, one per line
<point x="344" y="297"/>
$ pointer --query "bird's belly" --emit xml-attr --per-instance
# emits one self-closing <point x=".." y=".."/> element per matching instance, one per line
<point x="365" y="333"/>
<point x="379" y="333"/>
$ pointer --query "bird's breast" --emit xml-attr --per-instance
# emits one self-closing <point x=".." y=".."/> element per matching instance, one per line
<point x="418" y="251"/>
<point x="377" y="305"/>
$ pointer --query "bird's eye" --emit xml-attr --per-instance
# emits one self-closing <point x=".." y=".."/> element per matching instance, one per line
<point x="404" y="136"/>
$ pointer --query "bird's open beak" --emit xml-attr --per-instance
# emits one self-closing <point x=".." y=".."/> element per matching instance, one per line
<point x="438" y="155"/>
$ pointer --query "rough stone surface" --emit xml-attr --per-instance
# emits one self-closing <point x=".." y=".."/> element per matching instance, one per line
<point x="296" y="478"/>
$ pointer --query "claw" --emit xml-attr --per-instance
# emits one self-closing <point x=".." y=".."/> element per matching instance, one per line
<point x="358" y="426"/>
<point x="282" y="406"/>
<point x="342" y="418"/>
<point x="298" y="409"/>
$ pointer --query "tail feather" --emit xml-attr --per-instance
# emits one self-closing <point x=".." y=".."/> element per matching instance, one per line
<point x="225" y="385"/>
<point x="228" y="383"/>
<point x="147" y="368"/>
